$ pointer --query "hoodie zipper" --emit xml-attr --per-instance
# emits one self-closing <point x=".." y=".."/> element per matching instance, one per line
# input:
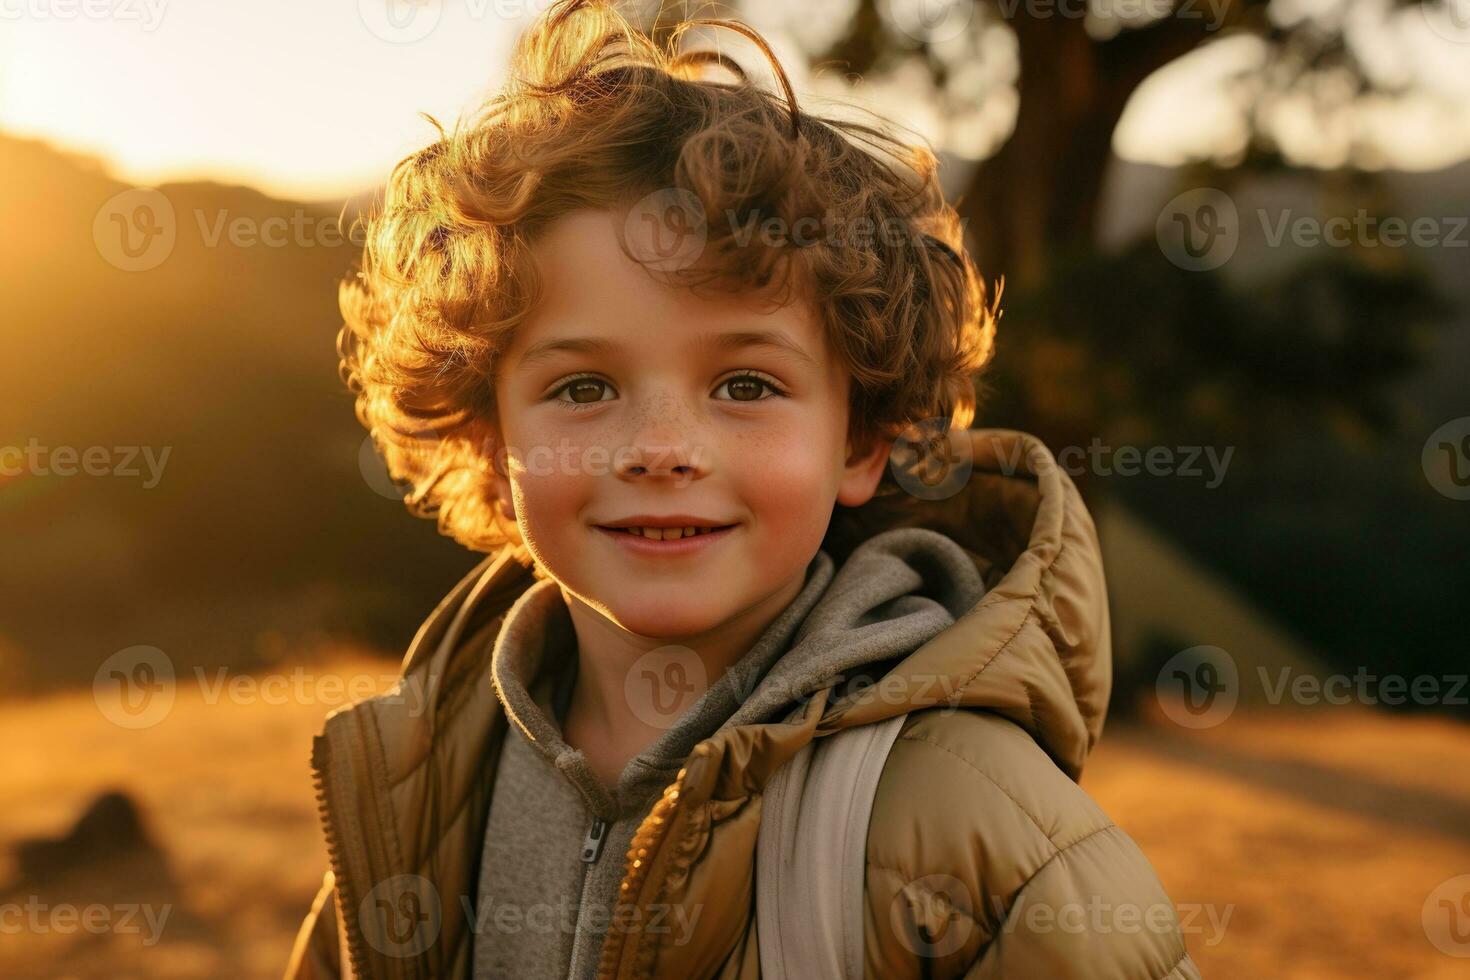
<point x="592" y="845"/>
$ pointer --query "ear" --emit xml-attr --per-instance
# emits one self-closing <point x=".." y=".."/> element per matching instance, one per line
<point x="863" y="470"/>
<point x="495" y="471"/>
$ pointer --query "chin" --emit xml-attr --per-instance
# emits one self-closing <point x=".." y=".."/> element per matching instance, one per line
<point x="663" y="616"/>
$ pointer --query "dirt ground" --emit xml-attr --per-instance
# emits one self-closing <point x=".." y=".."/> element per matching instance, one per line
<point x="1298" y="845"/>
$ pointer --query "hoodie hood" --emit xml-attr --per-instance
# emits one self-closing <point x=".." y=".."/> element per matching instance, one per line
<point x="893" y="593"/>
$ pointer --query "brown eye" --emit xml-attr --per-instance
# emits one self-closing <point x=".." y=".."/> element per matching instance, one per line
<point x="581" y="392"/>
<point x="749" y="388"/>
<point x="746" y="389"/>
<point x="586" y="391"/>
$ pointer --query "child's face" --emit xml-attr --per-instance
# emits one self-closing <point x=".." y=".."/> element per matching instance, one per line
<point x="670" y="417"/>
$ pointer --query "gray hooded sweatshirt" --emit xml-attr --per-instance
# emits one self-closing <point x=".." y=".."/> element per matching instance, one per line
<point x="555" y="837"/>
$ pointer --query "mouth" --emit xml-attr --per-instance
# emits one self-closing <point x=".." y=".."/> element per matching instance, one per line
<point x="666" y="541"/>
<point x="666" y="533"/>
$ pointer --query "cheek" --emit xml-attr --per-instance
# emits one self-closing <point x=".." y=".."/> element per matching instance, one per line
<point x="545" y="498"/>
<point x="788" y="480"/>
<point x="550" y="485"/>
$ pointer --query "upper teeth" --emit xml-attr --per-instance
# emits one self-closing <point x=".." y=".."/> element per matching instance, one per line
<point x="668" y="533"/>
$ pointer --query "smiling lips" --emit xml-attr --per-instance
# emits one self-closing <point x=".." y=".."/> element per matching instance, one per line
<point x="670" y="527"/>
<point x="667" y="533"/>
<point x="679" y="539"/>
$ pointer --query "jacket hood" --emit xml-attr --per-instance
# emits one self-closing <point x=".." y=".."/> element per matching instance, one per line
<point x="1037" y="647"/>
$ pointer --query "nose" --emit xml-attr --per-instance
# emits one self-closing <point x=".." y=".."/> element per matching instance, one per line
<point x="665" y="442"/>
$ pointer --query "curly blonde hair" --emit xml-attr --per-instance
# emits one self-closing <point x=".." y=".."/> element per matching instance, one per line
<point x="596" y="115"/>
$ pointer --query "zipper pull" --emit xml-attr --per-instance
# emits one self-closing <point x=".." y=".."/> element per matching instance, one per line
<point x="592" y="843"/>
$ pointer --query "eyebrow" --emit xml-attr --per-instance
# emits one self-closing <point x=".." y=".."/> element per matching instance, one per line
<point x="773" y="340"/>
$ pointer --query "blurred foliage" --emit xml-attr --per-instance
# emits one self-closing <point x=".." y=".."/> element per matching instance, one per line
<point x="1133" y="346"/>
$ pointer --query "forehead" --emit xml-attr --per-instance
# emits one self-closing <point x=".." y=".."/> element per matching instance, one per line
<point x="589" y="285"/>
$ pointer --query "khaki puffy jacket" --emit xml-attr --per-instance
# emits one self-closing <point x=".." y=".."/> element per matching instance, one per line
<point x="984" y="857"/>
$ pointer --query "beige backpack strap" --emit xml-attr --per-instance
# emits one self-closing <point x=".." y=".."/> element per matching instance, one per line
<point x="811" y="855"/>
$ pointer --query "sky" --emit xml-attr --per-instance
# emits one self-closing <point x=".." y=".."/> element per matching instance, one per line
<point x="316" y="99"/>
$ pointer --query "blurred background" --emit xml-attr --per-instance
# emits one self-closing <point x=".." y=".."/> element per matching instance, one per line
<point x="1237" y="305"/>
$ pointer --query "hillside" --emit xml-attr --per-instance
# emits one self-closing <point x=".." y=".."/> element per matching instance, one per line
<point x="222" y="357"/>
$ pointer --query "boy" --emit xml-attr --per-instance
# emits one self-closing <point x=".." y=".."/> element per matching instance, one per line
<point x="648" y="339"/>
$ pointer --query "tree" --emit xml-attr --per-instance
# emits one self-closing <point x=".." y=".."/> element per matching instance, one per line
<point x="1073" y="351"/>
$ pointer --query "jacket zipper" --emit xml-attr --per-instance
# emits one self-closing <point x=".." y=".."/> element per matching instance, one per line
<point x="648" y="844"/>
<point x="649" y="839"/>
<point x="374" y="862"/>
<point x="592" y="845"/>
<point x="346" y="899"/>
